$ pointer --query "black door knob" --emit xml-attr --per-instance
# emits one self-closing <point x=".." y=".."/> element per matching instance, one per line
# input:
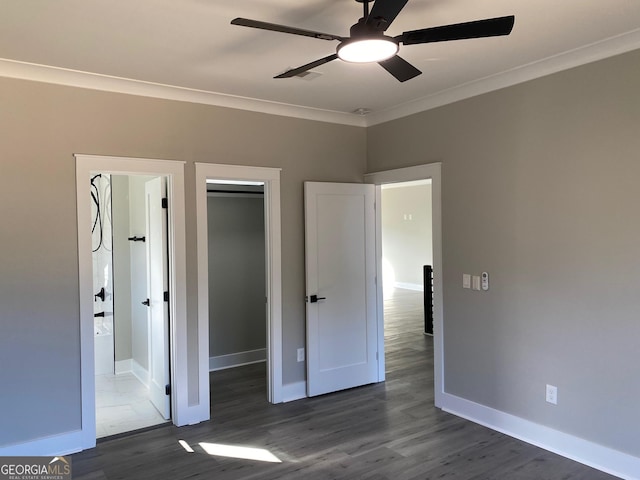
<point x="315" y="298"/>
<point x="146" y="302"/>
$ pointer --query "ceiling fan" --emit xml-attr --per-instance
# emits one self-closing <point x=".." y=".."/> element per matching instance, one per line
<point x="367" y="42"/>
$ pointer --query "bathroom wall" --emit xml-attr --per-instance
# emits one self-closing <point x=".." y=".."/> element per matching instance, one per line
<point x="121" y="269"/>
<point x="102" y="247"/>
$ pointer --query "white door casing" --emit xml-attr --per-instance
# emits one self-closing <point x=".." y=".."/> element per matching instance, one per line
<point x="271" y="179"/>
<point x="420" y="172"/>
<point x="183" y="411"/>
<point x="341" y="271"/>
<point x="157" y="308"/>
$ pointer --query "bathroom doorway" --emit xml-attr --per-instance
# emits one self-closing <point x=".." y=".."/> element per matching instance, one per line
<point x="131" y="314"/>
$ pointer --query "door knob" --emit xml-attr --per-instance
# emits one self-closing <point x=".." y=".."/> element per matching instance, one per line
<point x="315" y="298"/>
<point x="146" y="302"/>
<point x="100" y="295"/>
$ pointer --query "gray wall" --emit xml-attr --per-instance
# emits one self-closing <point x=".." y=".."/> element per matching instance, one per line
<point x="406" y="231"/>
<point x="41" y="127"/>
<point x="121" y="267"/>
<point x="540" y="189"/>
<point x="237" y="310"/>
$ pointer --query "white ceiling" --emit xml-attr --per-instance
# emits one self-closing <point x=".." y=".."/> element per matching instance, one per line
<point x="190" y="44"/>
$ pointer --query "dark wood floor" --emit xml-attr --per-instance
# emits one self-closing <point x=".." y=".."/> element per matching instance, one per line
<point x="378" y="432"/>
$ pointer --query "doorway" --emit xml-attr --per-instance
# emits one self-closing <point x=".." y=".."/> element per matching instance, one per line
<point x="183" y="411"/>
<point x="129" y="249"/>
<point x="270" y="178"/>
<point x="237" y="273"/>
<point x="406" y="255"/>
<point x="418" y="174"/>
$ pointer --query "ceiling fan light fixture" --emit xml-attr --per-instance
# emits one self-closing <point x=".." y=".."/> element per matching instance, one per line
<point x="366" y="50"/>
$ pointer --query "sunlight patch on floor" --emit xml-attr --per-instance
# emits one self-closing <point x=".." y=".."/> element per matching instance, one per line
<point x="233" y="451"/>
<point x="186" y="446"/>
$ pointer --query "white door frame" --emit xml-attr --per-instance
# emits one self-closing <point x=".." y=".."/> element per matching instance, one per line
<point x="182" y="412"/>
<point x="271" y="179"/>
<point x="421" y="172"/>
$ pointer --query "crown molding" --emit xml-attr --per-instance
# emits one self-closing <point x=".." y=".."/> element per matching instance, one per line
<point x="107" y="83"/>
<point x="580" y="56"/>
<point x="573" y="58"/>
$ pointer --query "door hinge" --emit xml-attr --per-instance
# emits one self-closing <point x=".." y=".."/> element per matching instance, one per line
<point x="165" y="203"/>
<point x="166" y="296"/>
<point x="167" y="389"/>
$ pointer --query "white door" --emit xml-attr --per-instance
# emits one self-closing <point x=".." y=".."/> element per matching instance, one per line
<point x="157" y="284"/>
<point x="341" y="290"/>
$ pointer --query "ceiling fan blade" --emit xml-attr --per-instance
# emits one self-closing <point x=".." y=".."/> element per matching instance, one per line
<point x="245" y="22"/>
<point x="491" y="27"/>
<point x="297" y="71"/>
<point x="400" y="68"/>
<point x="384" y="12"/>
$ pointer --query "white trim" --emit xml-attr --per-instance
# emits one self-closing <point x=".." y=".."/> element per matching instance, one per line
<point x="608" y="47"/>
<point x="140" y="373"/>
<point x="107" y="83"/>
<point x="420" y="172"/>
<point x="123" y="366"/>
<point x="294" y="391"/>
<point x="55" y="445"/>
<point x="588" y="453"/>
<point x="183" y="413"/>
<point x="271" y="179"/>
<point x="238" y="359"/>
<point x="416" y="287"/>
<point x="563" y="61"/>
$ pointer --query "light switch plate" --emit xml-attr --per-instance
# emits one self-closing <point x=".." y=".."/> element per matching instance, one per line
<point x="476" y="282"/>
<point x="466" y="280"/>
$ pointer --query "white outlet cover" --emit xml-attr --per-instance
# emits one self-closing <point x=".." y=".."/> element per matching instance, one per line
<point x="552" y="394"/>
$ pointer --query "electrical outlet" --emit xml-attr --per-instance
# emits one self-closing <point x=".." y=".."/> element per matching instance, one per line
<point x="552" y="394"/>
<point x="301" y="354"/>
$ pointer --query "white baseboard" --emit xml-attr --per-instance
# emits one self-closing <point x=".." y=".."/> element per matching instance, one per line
<point x="55" y="445"/>
<point x="124" y="366"/>
<point x="237" y="359"/>
<point x="588" y="453"/>
<point x="417" y="287"/>
<point x="140" y="372"/>
<point x="294" y="391"/>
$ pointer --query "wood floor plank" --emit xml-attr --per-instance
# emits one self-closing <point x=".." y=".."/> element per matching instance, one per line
<point x="387" y="431"/>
